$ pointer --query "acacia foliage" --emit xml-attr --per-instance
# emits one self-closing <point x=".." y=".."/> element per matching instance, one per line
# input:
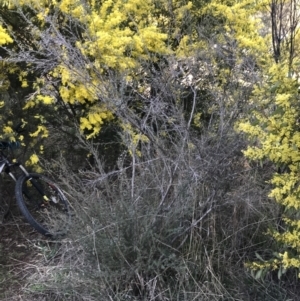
<point x="84" y="59"/>
<point x="135" y="65"/>
<point x="84" y="43"/>
<point x="273" y="129"/>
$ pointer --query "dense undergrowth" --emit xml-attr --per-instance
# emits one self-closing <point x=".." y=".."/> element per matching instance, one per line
<point x="136" y="119"/>
<point x="180" y="229"/>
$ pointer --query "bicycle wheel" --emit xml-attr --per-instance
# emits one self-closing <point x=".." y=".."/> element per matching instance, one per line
<point x="43" y="204"/>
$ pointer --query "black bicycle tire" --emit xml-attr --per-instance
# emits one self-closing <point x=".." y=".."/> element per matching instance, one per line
<point x="25" y="211"/>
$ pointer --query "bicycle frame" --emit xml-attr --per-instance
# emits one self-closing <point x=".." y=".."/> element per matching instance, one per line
<point x="6" y="165"/>
<point x="41" y="201"/>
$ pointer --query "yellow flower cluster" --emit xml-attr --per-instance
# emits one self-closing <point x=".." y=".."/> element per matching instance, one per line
<point x="4" y="37"/>
<point x="42" y="131"/>
<point x="118" y="35"/>
<point x="33" y="162"/>
<point x="273" y="130"/>
<point x="118" y="32"/>
<point x="34" y="159"/>
<point x="133" y="137"/>
<point x="239" y="19"/>
<point x="95" y="120"/>
<point x="289" y="262"/>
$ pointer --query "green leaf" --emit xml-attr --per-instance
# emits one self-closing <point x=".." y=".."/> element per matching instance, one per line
<point x="258" y="256"/>
<point x="274" y="87"/>
<point x="258" y="274"/>
<point x="279" y="110"/>
<point x="279" y="274"/>
<point x="276" y="254"/>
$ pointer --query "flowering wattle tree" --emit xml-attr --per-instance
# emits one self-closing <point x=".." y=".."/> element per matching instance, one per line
<point x="273" y="127"/>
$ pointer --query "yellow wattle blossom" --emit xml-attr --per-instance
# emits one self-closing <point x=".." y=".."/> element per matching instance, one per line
<point x="7" y="130"/>
<point x="4" y="37"/>
<point x="46" y="99"/>
<point x="33" y="163"/>
<point x="41" y="130"/>
<point x="133" y="137"/>
<point x="116" y="36"/>
<point x="34" y="159"/>
<point x="24" y="84"/>
<point x="273" y="127"/>
<point x="94" y="120"/>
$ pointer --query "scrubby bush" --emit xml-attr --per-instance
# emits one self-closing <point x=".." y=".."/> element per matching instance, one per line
<point x="142" y="139"/>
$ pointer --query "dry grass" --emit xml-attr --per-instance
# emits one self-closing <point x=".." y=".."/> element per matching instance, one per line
<point x="159" y="227"/>
<point x="180" y="230"/>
